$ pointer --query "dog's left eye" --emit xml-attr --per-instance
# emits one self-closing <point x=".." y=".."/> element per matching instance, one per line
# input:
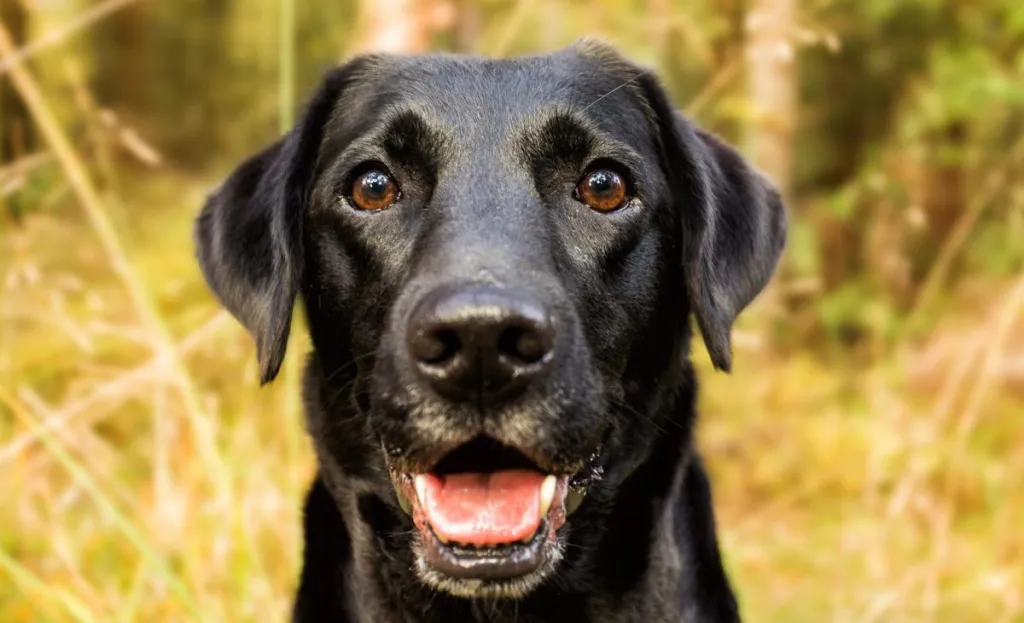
<point x="602" y="189"/>
<point x="374" y="190"/>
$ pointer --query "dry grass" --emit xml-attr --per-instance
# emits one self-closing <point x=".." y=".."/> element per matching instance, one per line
<point x="147" y="477"/>
<point x="110" y="500"/>
<point x="888" y="493"/>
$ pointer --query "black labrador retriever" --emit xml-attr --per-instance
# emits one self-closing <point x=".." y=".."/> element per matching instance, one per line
<point x="498" y="260"/>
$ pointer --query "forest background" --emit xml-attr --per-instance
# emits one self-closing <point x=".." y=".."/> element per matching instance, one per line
<point x="867" y="452"/>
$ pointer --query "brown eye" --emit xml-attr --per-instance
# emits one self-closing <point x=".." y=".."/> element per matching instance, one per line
<point x="374" y="190"/>
<point x="603" y="190"/>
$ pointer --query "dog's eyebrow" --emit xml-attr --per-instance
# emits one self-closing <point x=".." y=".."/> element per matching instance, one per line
<point x="568" y="136"/>
<point x="396" y="134"/>
<point x="407" y="135"/>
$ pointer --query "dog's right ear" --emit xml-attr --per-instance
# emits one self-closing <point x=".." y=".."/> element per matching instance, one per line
<point x="249" y="233"/>
<point x="733" y="221"/>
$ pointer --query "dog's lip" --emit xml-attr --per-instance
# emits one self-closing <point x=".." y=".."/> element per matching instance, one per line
<point x="582" y="472"/>
<point x="578" y="482"/>
<point x="491" y="564"/>
<point x="507" y="560"/>
<point x="488" y="563"/>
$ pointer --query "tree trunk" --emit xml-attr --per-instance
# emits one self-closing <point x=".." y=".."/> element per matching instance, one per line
<point x="467" y="25"/>
<point x="941" y="195"/>
<point x="15" y="124"/>
<point x="122" y="50"/>
<point x="771" y="87"/>
<point x="771" y="91"/>
<point x="398" y="26"/>
<point x="729" y="51"/>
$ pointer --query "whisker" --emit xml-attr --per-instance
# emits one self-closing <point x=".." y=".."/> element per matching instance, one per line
<point x="588" y="106"/>
<point x="348" y="365"/>
<point x="644" y="416"/>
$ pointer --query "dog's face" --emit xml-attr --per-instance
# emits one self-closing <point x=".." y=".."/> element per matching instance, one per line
<point x="497" y="261"/>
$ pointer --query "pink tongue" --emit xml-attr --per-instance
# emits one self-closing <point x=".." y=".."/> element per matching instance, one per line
<point x="482" y="509"/>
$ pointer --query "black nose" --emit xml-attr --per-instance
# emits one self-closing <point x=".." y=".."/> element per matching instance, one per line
<point x="480" y="343"/>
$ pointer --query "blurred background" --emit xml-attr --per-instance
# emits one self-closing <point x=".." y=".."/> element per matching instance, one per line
<point x="867" y="452"/>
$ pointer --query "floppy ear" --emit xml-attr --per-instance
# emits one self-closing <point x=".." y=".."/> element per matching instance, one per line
<point x="734" y="222"/>
<point x="249" y="233"/>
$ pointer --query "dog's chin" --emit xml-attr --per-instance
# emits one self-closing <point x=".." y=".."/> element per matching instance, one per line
<point x="507" y="572"/>
<point x="489" y="522"/>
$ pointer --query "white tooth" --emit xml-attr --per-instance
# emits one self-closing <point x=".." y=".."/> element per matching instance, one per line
<point x="420" y="483"/>
<point x="404" y="504"/>
<point x="547" y="494"/>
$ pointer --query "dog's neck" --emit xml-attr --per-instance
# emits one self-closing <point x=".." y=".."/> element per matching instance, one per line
<point x="648" y="544"/>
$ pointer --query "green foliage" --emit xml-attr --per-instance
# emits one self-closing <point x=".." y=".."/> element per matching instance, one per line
<point x="997" y="249"/>
<point x="855" y="477"/>
<point x="909" y="119"/>
<point x="917" y="91"/>
<point x="28" y="192"/>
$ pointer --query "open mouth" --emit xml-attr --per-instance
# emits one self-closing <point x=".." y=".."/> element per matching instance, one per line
<point x="486" y="512"/>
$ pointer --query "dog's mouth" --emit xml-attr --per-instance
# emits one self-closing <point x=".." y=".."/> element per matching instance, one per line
<point x="487" y="513"/>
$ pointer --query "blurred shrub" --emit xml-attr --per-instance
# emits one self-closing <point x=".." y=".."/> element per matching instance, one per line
<point x="906" y="141"/>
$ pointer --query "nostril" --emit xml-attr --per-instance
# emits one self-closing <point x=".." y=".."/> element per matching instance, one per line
<point x="435" y="347"/>
<point x="522" y="345"/>
<point x="469" y="343"/>
<point x="446" y="344"/>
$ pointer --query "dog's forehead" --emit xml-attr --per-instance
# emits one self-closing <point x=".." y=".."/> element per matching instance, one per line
<point x="467" y="94"/>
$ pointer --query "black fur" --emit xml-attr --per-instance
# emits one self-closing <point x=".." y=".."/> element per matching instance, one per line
<point x="487" y="153"/>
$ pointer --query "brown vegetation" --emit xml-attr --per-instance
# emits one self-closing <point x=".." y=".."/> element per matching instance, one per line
<point x="868" y="452"/>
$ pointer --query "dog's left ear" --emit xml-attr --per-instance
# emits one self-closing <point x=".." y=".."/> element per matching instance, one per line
<point x="249" y="233"/>
<point x="734" y="222"/>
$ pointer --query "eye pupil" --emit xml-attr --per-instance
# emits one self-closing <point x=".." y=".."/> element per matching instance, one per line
<point x="603" y="190"/>
<point x="375" y="183"/>
<point x="602" y="182"/>
<point x="374" y="190"/>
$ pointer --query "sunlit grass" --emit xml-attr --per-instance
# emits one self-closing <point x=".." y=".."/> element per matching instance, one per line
<point x="111" y="493"/>
<point x="140" y="490"/>
<point x="843" y="493"/>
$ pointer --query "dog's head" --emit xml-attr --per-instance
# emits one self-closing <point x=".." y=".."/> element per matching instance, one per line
<point x="498" y="260"/>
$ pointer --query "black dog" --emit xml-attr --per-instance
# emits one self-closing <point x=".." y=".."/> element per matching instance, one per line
<point x="498" y="260"/>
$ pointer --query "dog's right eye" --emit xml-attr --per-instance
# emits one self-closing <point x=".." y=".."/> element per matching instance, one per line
<point x="602" y="189"/>
<point x="374" y="190"/>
